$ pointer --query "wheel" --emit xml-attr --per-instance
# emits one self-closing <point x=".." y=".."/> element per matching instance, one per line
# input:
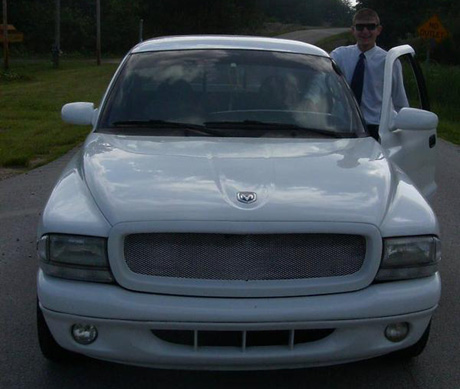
<point x="48" y="346"/>
<point x="415" y="350"/>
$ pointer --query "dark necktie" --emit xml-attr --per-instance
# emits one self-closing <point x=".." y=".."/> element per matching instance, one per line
<point x="357" y="81"/>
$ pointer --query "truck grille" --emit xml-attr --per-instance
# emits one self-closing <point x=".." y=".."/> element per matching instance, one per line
<point x="244" y="257"/>
<point x="242" y="339"/>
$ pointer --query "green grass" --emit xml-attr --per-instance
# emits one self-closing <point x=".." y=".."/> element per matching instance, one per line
<point x="32" y="94"/>
<point x="330" y="43"/>
<point x="275" y="29"/>
<point x="443" y="83"/>
<point x="449" y="130"/>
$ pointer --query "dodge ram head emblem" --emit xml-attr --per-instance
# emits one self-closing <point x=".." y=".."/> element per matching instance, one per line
<point x="246" y="197"/>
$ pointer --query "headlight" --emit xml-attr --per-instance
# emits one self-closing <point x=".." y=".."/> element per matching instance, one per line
<point x="75" y="257"/>
<point x="409" y="257"/>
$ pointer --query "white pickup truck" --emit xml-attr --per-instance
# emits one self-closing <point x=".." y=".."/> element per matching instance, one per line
<point x="229" y="210"/>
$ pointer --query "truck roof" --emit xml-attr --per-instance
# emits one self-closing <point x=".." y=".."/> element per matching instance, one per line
<point x="197" y="42"/>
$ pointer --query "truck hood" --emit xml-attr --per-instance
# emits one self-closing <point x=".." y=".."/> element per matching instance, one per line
<point x="138" y="179"/>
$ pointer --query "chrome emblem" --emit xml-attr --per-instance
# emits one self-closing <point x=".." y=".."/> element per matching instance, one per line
<point x="246" y="197"/>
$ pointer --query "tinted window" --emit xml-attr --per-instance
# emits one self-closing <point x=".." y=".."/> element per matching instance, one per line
<point x="208" y="87"/>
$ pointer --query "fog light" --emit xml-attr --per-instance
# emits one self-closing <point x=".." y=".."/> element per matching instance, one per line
<point x="84" y="333"/>
<point x="397" y="332"/>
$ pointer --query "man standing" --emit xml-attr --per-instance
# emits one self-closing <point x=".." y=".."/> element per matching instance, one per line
<point x="363" y="67"/>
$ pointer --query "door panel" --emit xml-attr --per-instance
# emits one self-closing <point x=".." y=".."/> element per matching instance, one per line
<point x="414" y="151"/>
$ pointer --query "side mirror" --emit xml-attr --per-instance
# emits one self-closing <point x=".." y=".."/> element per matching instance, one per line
<point x="414" y="119"/>
<point x="79" y="113"/>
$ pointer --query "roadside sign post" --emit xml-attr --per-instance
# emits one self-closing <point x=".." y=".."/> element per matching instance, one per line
<point x="98" y="32"/>
<point x="56" y="49"/>
<point x="433" y="32"/>
<point x="6" y="55"/>
<point x="141" y="30"/>
<point x="8" y="35"/>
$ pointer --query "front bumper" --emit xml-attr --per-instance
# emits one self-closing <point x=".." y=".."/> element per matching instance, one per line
<point x="125" y="321"/>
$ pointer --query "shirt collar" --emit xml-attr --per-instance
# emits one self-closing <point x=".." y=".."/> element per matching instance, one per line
<point x="369" y="53"/>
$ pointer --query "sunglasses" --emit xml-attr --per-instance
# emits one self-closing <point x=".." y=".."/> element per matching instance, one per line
<point x="362" y="26"/>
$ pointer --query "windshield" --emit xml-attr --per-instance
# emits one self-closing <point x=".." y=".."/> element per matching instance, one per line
<point x="230" y="93"/>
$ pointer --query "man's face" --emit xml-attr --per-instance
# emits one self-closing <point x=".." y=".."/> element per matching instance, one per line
<point x="366" y="31"/>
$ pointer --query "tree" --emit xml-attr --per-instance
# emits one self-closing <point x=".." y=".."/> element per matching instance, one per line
<point x="120" y="19"/>
<point x="308" y="12"/>
<point x="400" y="18"/>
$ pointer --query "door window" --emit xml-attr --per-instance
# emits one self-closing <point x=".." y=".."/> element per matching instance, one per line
<point x="414" y="83"/>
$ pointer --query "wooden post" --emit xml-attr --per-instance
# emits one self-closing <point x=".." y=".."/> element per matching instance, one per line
<point x="98" y="32"/>
<point x="141" y="30"/>
<point x="6" y="54"/>
<point x="56" y="50"/>
<point x="431" y="44"/>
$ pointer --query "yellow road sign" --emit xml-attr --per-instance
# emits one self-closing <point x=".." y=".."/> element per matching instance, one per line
<point x="9" y="27"/>
<point x="433" y="29"/>
<point x="13" y="37"/>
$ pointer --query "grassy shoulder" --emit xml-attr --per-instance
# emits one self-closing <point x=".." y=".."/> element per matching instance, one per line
<point x="443" y="84"/>
<point x="330" y="43"/>
<point x="275" y="29"/>
<point x="33" y="92"/>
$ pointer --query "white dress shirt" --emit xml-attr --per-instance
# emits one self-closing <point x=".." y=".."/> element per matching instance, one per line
<point x="371" y="103"/>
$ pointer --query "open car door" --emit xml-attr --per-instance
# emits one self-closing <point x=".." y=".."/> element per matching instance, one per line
<point x="409" y="136"/>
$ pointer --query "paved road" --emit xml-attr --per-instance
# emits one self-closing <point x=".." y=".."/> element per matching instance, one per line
<point x="22" y="366"/>
<point x="313" y="35"/>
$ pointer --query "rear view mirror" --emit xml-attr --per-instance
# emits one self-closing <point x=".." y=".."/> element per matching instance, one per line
<point x="414" y="119"/>
<point x="79" y="113"/>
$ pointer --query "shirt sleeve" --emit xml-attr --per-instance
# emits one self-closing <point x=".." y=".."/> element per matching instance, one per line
<point x="398" y="94"/>
<point x="333" y="54"/>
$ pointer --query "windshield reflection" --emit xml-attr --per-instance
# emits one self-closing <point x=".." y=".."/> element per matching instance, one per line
<point x="237" y="86"/>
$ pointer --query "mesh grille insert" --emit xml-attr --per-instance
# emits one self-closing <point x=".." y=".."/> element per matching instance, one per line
<point x="244" y="257"/>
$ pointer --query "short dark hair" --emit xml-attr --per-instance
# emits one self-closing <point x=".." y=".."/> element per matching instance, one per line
<point x="366" y="13"/>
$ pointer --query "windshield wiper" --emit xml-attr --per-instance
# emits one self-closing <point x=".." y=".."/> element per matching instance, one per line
<point x="155" y="124"/>
<point x="244" y="124"/>
<point x="164" y="124"/>
<point x="239" y="128"/>
<point x="240" y="124"/>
